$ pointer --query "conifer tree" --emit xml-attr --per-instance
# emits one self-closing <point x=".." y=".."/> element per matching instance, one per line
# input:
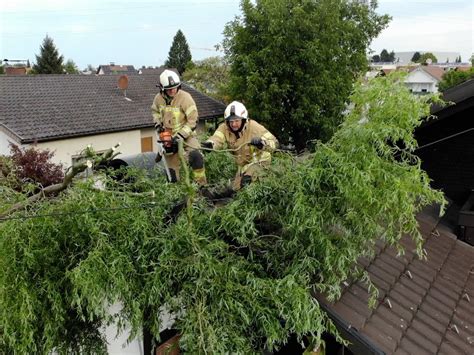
<point x="49" y="61"/>
<point x="416" y="57"/>
<point x="179" y="55"/>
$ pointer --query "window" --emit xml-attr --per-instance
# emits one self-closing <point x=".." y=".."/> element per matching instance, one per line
<point x="147" y="144"/>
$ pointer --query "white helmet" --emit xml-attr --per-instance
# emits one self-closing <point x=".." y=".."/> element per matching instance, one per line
<point x="235" y="110"/>
<point x="169" y="80"/>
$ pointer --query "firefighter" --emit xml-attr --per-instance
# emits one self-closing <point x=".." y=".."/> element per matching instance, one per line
<point x="176" y="116"/>
<point x="253" y="143"/>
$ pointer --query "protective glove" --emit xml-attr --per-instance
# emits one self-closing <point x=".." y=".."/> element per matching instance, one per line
<point x="257" y="142"/>
<point x="172" y="147"/>
<point x="158" y="158"/>
<point x="207" y="145"/>
<point x="159" y="127"/>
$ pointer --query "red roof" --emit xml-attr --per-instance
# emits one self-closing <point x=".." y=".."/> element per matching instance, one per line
<point x="423" y="306"/>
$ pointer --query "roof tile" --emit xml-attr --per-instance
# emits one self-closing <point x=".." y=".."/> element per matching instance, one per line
<point x="461" y="340"/>
<point x="423" y="343"/>
<point x="420" y="301"/>
<point x="386" y="342"/>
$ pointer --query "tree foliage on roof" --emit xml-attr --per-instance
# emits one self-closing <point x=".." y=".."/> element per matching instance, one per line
<point x="294" y="63"/>
<point x="48" y="61"/>
<point x="455" y="77"/>
<point x="179" y="55"/>
<point x="237" y="278"/>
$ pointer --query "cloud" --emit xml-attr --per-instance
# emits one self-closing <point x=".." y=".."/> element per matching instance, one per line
<point x="445" y="30"/>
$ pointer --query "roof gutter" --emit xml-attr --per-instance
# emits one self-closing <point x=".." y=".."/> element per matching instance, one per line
<point x="359" y="344"/>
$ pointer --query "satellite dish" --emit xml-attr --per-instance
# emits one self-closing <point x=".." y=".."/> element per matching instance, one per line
<point x="123" y="82"/>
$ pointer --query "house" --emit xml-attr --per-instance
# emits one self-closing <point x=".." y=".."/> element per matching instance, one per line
<point x="65" y="113"/>
<point x="424" y="78"/>
<point x="156" y="70"/>
<point x="404" y="58"/>
<point x="15" y="70"/>
<point x="116" y="69"/>
<point x="423" y="306"/>
<point x="446" y="144"/>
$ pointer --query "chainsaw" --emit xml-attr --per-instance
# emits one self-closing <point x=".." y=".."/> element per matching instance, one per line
<point x="164" y="144"/>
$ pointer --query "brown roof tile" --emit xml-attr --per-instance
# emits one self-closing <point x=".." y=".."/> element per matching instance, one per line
<point x="386" y="342"/>
<point x="421" y="340"/>
<point x="420" y="301"/>
<point x="447" y="348"/>
<point x="412" y="347"/>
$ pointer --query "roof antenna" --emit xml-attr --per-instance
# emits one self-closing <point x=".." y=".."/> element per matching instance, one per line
<point x="123" y="84"/>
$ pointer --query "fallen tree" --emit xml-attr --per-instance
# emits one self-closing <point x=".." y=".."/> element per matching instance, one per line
<point x="238" y="278"/>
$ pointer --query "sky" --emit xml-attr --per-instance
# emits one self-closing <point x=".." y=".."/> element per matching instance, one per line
<point x="140" y="32"/>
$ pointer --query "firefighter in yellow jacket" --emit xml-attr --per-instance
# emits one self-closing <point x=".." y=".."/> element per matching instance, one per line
<point x="252" y="142"/>
<point x="176" y="116"/>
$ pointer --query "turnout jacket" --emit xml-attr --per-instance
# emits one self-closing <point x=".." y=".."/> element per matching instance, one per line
<point x="179" y="115"/>
<point x="246" y="155"/>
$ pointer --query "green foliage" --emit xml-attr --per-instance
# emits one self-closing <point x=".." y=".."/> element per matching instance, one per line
<point x="455" y="77"/>
<point x="49" y="61"/>
<point x="29" y="169"/>
<point x="385" y="56"/>
<point x="425" y="56"/>
<point x="209" y="76"/>
<point x="294" y="62"/>
<point x="375" y="58"/>
<point x="2" y="70"/>
<point x="70" y="67"/>
<point x="237" y="278"/>
<point x="416" y="57"/>
<point x="179" y="55"/>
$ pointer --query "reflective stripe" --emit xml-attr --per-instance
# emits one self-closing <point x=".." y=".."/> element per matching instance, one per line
<point x="265" y="156"/>
<point x="219" y="135"/>
<point x="269" y="140"/>
<point x="187" y="130"/>
<point x="190" y="109"/>
<point x="199" y="173"/>
<point x="157" y="116"/>
<point x="271" y="144"/>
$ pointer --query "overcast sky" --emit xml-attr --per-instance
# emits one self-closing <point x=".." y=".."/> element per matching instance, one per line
<point x="140" y="32"/>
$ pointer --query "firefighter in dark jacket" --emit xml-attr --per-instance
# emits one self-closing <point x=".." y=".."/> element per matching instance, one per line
<point x="176" y="116"/>
<point x="252" y="143"/>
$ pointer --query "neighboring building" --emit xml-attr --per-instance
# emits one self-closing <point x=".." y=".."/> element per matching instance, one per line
<point x="424" y="79"/>
<point x="423" y="306"/>
<point x="157" y="70"/>
<point x="65" y="113"/>
<point x="15" y="70"/>
<point x="446" y="144"/>
<point x="116" y="69"/>
<point x="404" y="58"/>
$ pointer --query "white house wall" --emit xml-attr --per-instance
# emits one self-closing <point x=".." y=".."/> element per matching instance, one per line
<point x="66" y="149"/>
<point x="418" y="80"/>
<point x="5" y="143"/>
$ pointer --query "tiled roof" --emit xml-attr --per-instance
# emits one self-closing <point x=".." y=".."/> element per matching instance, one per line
<point x="157" y="71"/>
<point x="435" y="71"/>
<point x="423" y="307"/>
<point x="48" y="107"/>
<point x="117" y="69"/>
